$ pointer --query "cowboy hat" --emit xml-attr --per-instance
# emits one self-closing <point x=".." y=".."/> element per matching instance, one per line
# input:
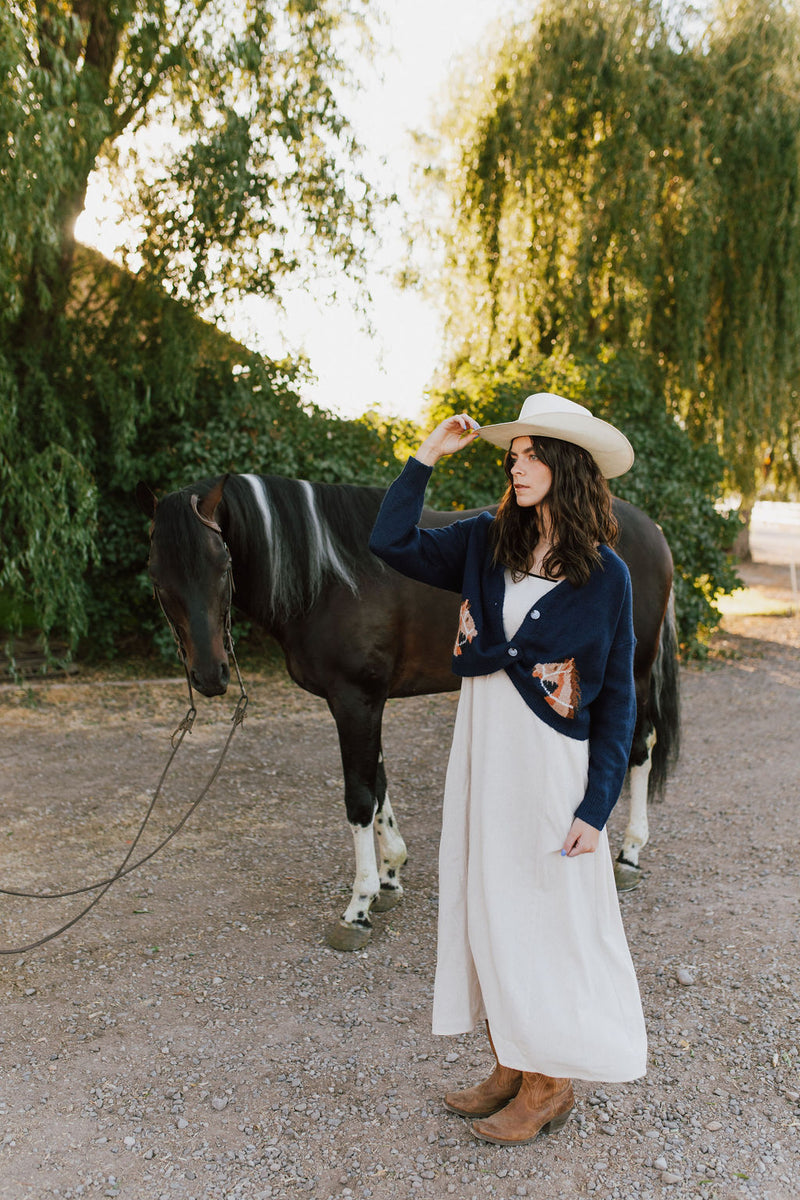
<point x="548" y="415"/>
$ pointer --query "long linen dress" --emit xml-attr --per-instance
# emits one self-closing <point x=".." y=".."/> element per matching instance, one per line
<point x="528" y="938"/>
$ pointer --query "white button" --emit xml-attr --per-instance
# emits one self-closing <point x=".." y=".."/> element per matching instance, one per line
<point x="512" y="650"/>
<point x="536" y="614"/>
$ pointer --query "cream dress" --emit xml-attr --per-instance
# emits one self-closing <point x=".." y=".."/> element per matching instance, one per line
<point x="528" y="938"/>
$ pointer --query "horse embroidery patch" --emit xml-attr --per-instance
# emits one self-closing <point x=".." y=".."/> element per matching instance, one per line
<point x="561" y="683"/>
<point x="467" y="629"/>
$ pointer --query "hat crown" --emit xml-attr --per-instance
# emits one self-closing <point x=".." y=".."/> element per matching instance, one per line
<point x="549" y="402"/>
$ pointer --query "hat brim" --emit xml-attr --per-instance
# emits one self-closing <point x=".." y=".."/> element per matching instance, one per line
<point x="610" y="449"/>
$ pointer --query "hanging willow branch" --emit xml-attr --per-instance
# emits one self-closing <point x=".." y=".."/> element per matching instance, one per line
<point x="623" y="182"/>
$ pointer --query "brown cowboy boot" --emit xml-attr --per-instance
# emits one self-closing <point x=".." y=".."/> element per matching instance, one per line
<point x="541" y="1104"/>
<point x="485" y="1099"/>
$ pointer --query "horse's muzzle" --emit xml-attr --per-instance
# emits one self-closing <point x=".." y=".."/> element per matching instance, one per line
<point x="214" y="681"/>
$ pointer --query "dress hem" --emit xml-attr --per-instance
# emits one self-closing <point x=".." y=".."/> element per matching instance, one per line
<point x="550" y="1067"/>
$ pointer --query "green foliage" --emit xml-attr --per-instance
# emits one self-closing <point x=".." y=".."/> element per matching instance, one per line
<point x="674" y="481"/>
<point x="250" y="175"/>
<point x="78" y="545"/>
<point x="265" y="171"/>
<point x="622" y="178"/>
<point x="251" y="170"/>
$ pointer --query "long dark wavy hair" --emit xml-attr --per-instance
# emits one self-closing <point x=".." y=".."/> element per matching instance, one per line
<point x="579" y="502"/>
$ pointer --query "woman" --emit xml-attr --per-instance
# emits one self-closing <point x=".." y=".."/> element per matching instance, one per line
<point x="530" y="936"/>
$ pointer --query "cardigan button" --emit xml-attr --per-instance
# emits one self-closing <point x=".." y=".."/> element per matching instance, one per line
<point x="513" y="651"/>
<point x="536" y="614"/>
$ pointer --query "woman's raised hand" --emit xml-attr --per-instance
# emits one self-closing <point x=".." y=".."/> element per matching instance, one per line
<point x="450" y="435"/>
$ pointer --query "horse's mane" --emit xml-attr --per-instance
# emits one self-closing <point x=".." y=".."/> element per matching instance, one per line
<point x="179" y="527"/>
<point x="297" y="537"/>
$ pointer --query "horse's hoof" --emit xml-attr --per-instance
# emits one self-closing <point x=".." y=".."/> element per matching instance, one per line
<point x="626" y="876"/>
<point x="340" y="936"/>
<point x="386" y="899"/>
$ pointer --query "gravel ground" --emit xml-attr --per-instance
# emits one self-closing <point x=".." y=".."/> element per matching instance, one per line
<point x="194" y="1037"/>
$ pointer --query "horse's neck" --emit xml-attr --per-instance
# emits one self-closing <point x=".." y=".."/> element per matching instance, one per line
<point x="285" y="571"/>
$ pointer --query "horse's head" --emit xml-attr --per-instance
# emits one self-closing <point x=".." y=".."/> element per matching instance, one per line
<point x="190" y="568"/>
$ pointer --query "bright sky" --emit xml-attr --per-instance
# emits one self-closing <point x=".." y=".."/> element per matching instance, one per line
<point x="389" y="369"/>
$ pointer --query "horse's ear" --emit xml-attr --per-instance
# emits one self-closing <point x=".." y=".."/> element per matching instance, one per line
<point x="146" y="500"/>
<point x="208" y="505"/>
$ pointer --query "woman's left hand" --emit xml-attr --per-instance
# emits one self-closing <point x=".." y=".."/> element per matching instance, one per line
<point x="581" y="839"/>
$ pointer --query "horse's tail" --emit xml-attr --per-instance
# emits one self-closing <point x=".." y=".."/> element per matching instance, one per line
<point x="665" y="704"/>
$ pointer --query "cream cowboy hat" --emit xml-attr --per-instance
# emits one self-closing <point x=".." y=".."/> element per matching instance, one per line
<point x="548" y="415"/>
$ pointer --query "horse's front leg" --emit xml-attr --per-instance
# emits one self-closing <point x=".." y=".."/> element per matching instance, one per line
<point x="391" y="847"/>
<point x="358" y="722"/>
<point x="627" y="872"/>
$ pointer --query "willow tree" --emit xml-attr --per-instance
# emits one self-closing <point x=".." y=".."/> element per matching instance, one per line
<point x="220" y="127"/>
<point x="620" y="179"/>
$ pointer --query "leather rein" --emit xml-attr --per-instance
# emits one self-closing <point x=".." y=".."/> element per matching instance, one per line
<point x="127" y="866"/>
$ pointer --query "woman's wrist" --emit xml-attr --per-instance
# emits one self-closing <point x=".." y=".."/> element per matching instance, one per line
<point x="427" y="455"/>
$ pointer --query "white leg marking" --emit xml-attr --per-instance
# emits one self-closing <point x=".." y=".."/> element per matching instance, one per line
<point x="638" y="831"/>
<point x="391" y="846"/>
<point x="367" y="883"/>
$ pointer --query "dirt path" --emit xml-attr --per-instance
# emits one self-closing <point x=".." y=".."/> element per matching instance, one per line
<point x="194" y="1037"/>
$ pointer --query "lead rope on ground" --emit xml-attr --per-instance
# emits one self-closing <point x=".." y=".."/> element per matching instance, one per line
<point x="126" y="867"/>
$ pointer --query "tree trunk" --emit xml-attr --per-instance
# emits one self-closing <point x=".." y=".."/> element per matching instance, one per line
<point x="741" y="545"/>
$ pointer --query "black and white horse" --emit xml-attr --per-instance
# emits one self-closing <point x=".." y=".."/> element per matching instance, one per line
<point x="355" y="632"/>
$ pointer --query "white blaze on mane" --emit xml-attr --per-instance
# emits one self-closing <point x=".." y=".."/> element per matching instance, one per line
<point x="324" y="552"/>
<point x="273" y="543"/>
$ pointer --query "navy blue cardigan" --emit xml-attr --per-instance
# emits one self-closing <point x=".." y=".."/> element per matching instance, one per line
<point x="572" y="658"/>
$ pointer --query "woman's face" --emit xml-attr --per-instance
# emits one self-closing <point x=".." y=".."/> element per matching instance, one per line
<point x="530" y="478"/>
